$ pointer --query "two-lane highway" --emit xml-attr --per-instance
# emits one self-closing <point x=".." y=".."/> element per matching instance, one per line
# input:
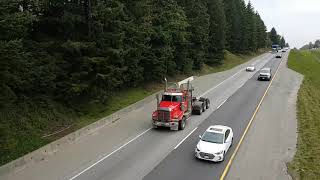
<point x="141" y="156"/>
<point x="236" y="113"/>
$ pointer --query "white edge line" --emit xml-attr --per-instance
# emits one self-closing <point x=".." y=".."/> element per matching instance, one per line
<point x="185" y="138"/>
<point x="221" y="83"/>
<point x="105" y="157"/>
<point x="222" y="104"/>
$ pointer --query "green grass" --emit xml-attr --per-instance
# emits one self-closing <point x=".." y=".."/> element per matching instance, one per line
<point x="230" y="61"/>
<point x="23" y="126"/>
<point x="122" y="99"/>
<point x="306" y="163"/>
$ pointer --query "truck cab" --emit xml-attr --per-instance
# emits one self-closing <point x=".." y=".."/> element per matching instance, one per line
<point x="175" y="106"/>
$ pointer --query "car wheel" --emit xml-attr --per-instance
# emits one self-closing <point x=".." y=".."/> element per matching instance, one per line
<point x="182" y="124"/>
<point x="231" y="142"/>
<point x="223" y="157"/>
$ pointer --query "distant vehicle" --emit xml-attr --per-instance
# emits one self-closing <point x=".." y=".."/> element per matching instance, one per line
<point x="265" y="74"/>
<point x="279" y="55"/>
<point x="284" y="50"/>
<point x="250" y="68"/>
<point x="275" y="48"/>
<point x="177" y="105"/>
<point x="214" y="143"/>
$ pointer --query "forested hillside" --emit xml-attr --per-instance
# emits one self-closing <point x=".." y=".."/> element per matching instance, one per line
<point x="58" y="55"/>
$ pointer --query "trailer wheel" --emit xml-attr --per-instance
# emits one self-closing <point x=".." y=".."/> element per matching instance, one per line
<point x="182" y="124"/>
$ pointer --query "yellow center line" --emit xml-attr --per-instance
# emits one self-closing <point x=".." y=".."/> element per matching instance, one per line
<point x="225" y="172"/>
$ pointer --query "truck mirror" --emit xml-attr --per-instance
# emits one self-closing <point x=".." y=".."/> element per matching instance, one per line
<point x="158" y="102"/>
<point x="182" y="107"/>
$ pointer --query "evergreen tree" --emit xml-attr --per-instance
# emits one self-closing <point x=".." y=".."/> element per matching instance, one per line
<point x="252" y="27"/>
<point x="233" y="28"/>
<point x="245" y="29"/>
<point x="282" y="42"/>
<point x="216" y="31"/>
<point x="198" y="19"/>
<point x="274" y="36"/>
<point x="262" y="32"/>
<point x="168" y="39"/>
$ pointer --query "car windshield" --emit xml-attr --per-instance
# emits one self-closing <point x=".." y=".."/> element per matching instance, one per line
<point x="264" y="71"/>
<point x="172" y="98"/>
<point x="212" y="137"/>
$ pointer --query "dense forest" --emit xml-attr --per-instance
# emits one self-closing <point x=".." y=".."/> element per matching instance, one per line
<point x="58" y="54"/>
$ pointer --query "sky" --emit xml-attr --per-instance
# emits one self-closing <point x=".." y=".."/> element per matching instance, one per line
<point x="297" y="20"/>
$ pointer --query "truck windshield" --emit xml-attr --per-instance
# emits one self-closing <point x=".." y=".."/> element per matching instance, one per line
<point x="264" y="71"/>
<point x="172" y="98"/>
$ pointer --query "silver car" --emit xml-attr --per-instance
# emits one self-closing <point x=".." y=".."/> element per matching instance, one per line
<point x="265" y="74"/>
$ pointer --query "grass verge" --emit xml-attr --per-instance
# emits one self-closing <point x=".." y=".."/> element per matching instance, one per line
<point x="306" y="163"/>
<point x="230" y="61"/>
<point x="24" y="128"/>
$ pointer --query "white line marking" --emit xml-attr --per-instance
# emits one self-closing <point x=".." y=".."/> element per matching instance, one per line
<point x="105" y="157"/>
<point x="221" y="83"/>
<point x="221" y="104"/>
<point x="185" y="138"/>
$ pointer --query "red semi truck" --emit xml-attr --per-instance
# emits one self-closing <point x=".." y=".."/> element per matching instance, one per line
<point x="176" y="106"/>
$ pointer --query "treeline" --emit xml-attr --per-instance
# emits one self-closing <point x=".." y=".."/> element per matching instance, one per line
<point x="275" y="38"/>
<point x="73" y="52"/>
<point x="311" y="45"/>
<point x="73" y="49"/>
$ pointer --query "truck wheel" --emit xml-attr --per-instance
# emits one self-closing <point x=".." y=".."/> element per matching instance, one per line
<point x="200" y="111"/>
<point x="182" y="124"/>
<point x="154" y="126"/>
<point x="207" y="104"/>
<point x="204" y="107"/>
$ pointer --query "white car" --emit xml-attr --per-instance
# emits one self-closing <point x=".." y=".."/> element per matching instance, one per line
<point x="251" y="68"/>
<point x="214" y="143"/>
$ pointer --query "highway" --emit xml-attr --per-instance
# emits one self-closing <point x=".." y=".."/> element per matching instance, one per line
<point x="130" y="149"/>
<point x="235" y="113"/>
<point x="162" y="154"/>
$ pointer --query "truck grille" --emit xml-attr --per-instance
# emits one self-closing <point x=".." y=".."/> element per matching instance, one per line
<point x="163" y="116"/>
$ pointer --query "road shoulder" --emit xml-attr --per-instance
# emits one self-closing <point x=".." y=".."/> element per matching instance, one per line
<point x="271" y="140"/>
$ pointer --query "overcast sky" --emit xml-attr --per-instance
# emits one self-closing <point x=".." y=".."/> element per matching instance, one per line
<point x="297" y="20"/>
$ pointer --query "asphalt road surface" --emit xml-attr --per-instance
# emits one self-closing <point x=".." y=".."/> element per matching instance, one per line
<point x="271" y="141"/>
<point x="139" y="157"/>
<point x="235" y="113"/>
